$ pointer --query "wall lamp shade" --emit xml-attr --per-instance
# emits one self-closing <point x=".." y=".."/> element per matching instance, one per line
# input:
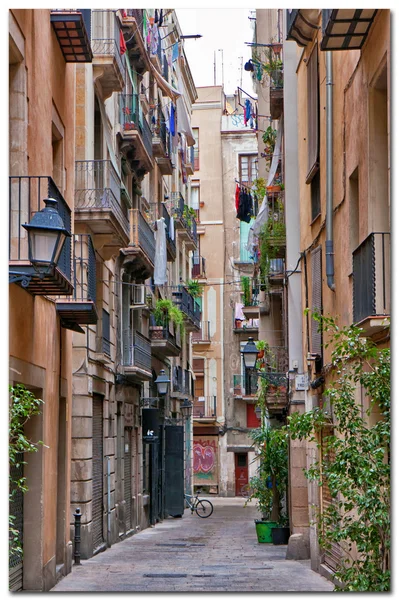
<point x="250" y="354"/>
<point x="46" y="235"/>
<point x="162" y="382"/>
<point x="186" y="409"/>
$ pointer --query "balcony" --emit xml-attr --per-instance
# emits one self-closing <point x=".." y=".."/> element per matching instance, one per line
<point x="189" y="160"/>
<point x="204" y="407"/>
<point x="72" y="28"/>
<point x="277" y="392"/>
<point x="98" y="202"/>
<point x="184" y="220"/>
<point x="136" y="361"/>
<point x="245" y="387"/>
<point x="189" y="307"/>
<point x="202" y="337"/>
<point x="136" y="134"/>
<point x="198" y="270"/>
<point x="108" y="64"/>
<point x="26" y="195"/>
<point x="276" y="93"/>
<point x="141" y="249"/>
<point x="170" y="243"/>
<point x="372" y="283"/>
<point x="345" y="29"/>
<point x="80" y="307"/>
<point x="165" y="341"/>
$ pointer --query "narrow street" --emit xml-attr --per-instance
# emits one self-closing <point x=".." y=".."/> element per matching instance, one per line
<point x="220" y="553"/>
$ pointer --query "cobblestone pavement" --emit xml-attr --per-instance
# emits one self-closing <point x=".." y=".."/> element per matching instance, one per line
<point x="220" y="553"/>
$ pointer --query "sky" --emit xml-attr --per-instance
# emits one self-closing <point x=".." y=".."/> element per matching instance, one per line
<point x="224" y="33"/>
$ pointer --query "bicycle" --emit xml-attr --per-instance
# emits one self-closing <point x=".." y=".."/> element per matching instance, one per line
<point x="202" y="507"/>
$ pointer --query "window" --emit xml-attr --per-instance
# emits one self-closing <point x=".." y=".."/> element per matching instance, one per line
<point x="196" y="148"/>
<point x="248" y="168"/>
<point x="313" y="115"/>
<point x="106" y="333"/>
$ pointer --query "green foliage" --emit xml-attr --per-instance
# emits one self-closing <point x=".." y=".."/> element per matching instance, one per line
<point x="165" y="311"/>
<point x="270" y="484"/>
<point x="355" y="463"/>
<point x="195" y="289"/>
<point x="23" y="406"/>
<point x="246" y="289"/>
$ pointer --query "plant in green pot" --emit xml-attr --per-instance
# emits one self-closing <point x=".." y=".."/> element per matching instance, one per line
<point x="269" y="486"/>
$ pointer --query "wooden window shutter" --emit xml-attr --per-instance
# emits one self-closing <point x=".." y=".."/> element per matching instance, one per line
<point x="316" y="336"/>
<point x="313" y="115"/>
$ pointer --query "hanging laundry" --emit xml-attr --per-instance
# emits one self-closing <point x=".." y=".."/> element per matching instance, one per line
<point x="175" y="51"/>
<point x="172" y="120"/>
<point x="160" y="266"/>
<point x="122" y="43"/>
<point x="237" y="196"/>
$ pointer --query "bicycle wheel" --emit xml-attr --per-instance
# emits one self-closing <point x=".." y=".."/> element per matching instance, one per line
<point x="204" y="508"/>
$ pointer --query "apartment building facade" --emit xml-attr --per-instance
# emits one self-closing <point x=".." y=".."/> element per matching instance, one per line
<point x="224" y="406"/>
<point x="120" y="161"/>
<point x="337" y="65"/>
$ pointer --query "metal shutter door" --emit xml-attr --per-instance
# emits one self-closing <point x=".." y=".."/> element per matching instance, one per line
<point x="128" y="479"/>
<point x="174" y="470"/>
<point x="98" y="478"/>
<point x="332" y="556"/>
<point x="17" y="510"/>
<point x="316" y="336"/>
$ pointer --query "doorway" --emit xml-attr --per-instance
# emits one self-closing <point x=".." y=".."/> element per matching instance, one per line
<point x="241" y="471"/>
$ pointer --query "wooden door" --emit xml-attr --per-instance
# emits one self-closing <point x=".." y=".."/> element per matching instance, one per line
<point x="241" y="471"/>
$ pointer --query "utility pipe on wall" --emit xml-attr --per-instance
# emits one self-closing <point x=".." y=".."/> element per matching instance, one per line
<point x="329" y="174"/>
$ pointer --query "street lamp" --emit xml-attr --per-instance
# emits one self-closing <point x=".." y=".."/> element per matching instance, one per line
<point x="46" y="237"/>
<point x="250" y="354"/>
<point x="186" y="408"/>
<point x="162" y="382"/>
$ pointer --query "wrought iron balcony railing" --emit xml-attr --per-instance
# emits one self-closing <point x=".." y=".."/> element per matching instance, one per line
<point x="187" y="304"/>
<point x="138" y="353"/>
<point x="143" y="235"/>
<point x="372" y="277"/>
<point x="26" y="196"/>
<point x="204" y="407"/>
<point x="98" y="187"/>
<point x="204" y="335"/>
<point x="131" y="118"/>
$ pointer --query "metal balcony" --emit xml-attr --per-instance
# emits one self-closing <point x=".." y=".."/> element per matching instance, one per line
<point x="135" y="133"/>
<point x="204" y="407"/>
<point x="189" y="307"/>
<point x="372" y="282"/>
<point x="26" y="195"/>
<point x="72" y="28"/>
<point x="80" y="307"/>
<point x="136" y="360"/>
<point x="142" y="245"/>
<point x="170" y="243"/>
<point x="204" y="335"/>
<point x="98" y="200"/>
<point x="185" y="222"/>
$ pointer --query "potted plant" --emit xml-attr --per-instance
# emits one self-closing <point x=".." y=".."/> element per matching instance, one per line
<point x="270" y="484"/>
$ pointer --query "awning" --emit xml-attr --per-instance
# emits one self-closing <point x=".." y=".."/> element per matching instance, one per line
<point x="164" y="85"/>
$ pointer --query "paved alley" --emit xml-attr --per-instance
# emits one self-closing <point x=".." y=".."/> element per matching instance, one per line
<point x="220" y="553"/>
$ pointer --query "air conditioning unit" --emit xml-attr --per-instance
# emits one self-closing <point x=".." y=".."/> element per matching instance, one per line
<point x="138" y="295"/>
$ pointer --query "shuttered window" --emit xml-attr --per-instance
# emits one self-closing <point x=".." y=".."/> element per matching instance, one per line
<point x="313" y="115"/>
<point x="316" y="336"/>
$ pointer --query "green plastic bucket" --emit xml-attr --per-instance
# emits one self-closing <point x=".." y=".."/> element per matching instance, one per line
<point x="264" y="531"/>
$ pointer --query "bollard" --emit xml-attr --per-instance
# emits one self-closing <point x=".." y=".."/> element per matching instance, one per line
<point x="76" y="555"/>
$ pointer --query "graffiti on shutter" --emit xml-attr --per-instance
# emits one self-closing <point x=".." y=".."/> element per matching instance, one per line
<point x="316" y="336"/>
<point x="17" y="510"/>
<point x="128" y="478"/>
<point x="331" y="556"/>
<point x="98" y="478"/>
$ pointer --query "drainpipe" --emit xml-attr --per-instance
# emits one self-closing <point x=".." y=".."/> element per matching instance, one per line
<point x="329" y="175"/>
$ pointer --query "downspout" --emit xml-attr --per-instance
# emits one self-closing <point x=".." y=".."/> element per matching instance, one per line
<point x="329" y="174"/>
